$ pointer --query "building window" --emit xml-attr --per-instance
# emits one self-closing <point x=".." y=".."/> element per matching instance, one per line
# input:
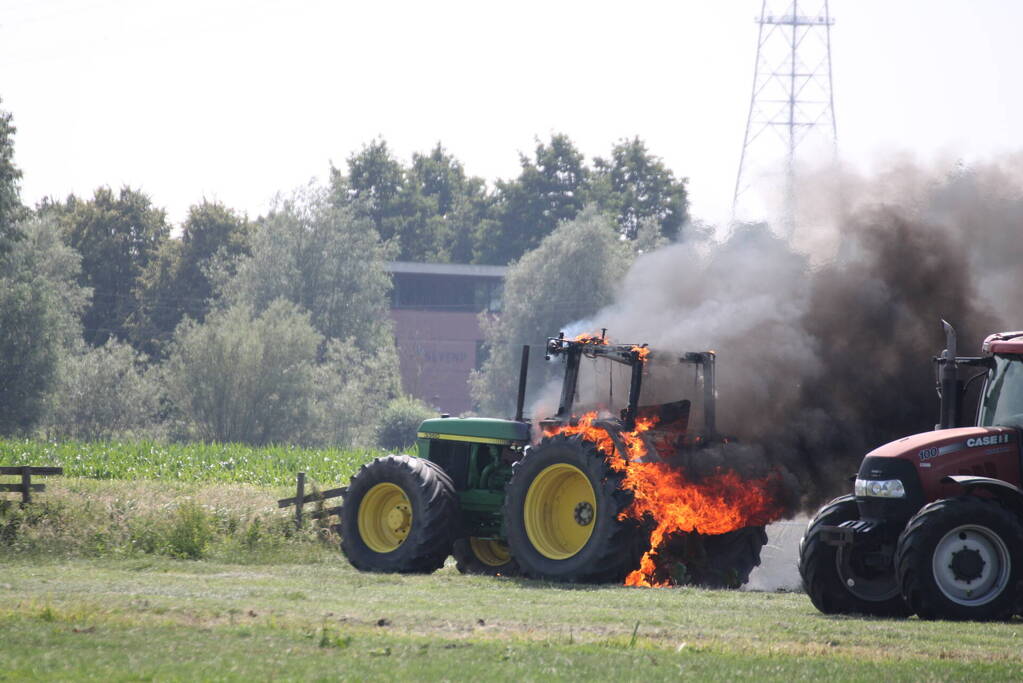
<point x="446" y="293"/>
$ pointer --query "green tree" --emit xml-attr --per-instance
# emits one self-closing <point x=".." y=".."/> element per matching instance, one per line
<point x="102" y="393"/>
<point x="635" y="185"/>
<point x="353" y="386"/>
<point x="552" y="187"/>
<point x="213" y="236"/>
<point x="324" y="258"/>
<point x="441" y="177"/>
<point x="570" y="276"/>
<point x="40" y="305"/>
<point x="453" y="205"/>
<point x="117" y="237"/>
<point x="160" y="302"/>
<point x="11" y="209"/>
<point x="245" y="377"/>
<point x="373" y="186"/>
<point x="329" y="261"/>
<point x="429" y="209"/>
<point x="179" y="280"/>
<point x="399" y="422"/>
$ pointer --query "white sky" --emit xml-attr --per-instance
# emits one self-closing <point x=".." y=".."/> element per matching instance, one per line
<point x="236" y="100"/>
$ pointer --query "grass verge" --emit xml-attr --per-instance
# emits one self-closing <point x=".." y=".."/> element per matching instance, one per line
<point x="224" y="522"/>
<point x="170" y="619"/>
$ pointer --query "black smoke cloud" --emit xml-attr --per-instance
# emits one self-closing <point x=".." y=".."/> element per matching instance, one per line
<point x="825" y="341"/>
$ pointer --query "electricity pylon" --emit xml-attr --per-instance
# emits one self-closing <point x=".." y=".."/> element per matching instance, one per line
<point x="792" y="102"/>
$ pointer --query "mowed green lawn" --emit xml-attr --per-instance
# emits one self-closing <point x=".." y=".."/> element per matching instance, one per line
<point x="163" y="619"/>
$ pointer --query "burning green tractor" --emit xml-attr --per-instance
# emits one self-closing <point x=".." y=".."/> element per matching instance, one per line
<point x="562" y="506"/>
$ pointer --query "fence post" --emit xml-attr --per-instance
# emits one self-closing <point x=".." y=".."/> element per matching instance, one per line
<point x="26" y="485"/>
<point x="299" y="501"/>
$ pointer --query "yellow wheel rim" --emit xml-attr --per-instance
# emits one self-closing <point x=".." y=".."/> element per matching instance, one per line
<point x="489" y="552"/>
<point x="559" y="511"/>
<point x="385" y="517"/>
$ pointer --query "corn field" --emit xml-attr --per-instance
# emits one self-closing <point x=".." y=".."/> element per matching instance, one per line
<point x="213" y="462"/>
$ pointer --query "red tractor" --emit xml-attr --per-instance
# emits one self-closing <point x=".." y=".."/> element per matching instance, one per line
<point x="935" y="524"/>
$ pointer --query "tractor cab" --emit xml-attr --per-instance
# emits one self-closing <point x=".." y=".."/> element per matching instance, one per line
<point x="1001" y="402"/>
<point x="672" y="395"/>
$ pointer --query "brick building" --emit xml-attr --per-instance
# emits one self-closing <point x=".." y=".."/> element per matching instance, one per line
<point x="436" y="307"/>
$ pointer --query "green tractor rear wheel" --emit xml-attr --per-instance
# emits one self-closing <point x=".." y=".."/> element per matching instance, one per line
<point x="398" y="515"/>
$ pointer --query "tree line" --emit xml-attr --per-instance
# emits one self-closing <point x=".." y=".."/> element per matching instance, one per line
<point x="435" y="212"/>
<point x="276" y="329"/>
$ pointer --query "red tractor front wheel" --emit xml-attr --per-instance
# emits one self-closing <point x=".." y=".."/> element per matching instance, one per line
<point x="962" y="558"/>
<point x="837" y="579"/>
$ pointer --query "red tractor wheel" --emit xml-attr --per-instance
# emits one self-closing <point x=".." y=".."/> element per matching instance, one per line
<point x="836" y="578"/>
<point x="962" y="558"/>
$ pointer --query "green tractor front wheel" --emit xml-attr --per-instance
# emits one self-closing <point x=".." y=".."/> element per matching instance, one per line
<point x="398" y="515"/>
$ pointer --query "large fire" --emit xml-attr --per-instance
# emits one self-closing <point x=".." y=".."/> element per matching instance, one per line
<point x="714" y="505"/>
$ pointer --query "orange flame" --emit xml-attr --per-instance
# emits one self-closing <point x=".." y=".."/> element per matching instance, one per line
<point x="715" y="505"/>
<point x="595" y="339"/>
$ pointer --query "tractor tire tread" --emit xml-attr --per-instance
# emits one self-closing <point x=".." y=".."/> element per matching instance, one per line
<point x="733" y="557"/>
<point x="819" y="573"/>
<point x="915" y="548"/>
<point x="429" y="541"/>
<point x="614" y="554"/>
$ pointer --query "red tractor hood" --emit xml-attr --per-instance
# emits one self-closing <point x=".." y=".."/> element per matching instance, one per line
<point x="980" y="451"/>
<point x="930" y="445"/>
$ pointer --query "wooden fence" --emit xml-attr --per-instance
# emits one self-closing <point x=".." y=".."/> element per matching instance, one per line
<point x="26" y="487"/>
<point x="301" y="498"/>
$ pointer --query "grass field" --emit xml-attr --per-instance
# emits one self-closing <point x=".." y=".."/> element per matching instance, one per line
<point x="90" y="589"/>
<point x="177" y="620"/>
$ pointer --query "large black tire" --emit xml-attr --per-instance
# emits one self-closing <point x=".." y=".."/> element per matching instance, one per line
<point x="962" y="558"/>
<point x="729" y="558"/>
<point x="564" y="495"/>
<point x="483" y="556"/>
<point x="399" y="515"/>
<point x="827" y="571"/>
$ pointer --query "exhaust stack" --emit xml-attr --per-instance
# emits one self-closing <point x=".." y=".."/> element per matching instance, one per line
<point x="948" y="380"/>
<point x="523" y="371"/>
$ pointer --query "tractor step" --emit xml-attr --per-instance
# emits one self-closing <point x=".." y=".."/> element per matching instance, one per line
<point x="844" y="533"/>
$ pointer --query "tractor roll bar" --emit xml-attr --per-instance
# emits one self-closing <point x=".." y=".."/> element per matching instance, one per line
<point x="627" y="354"/>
